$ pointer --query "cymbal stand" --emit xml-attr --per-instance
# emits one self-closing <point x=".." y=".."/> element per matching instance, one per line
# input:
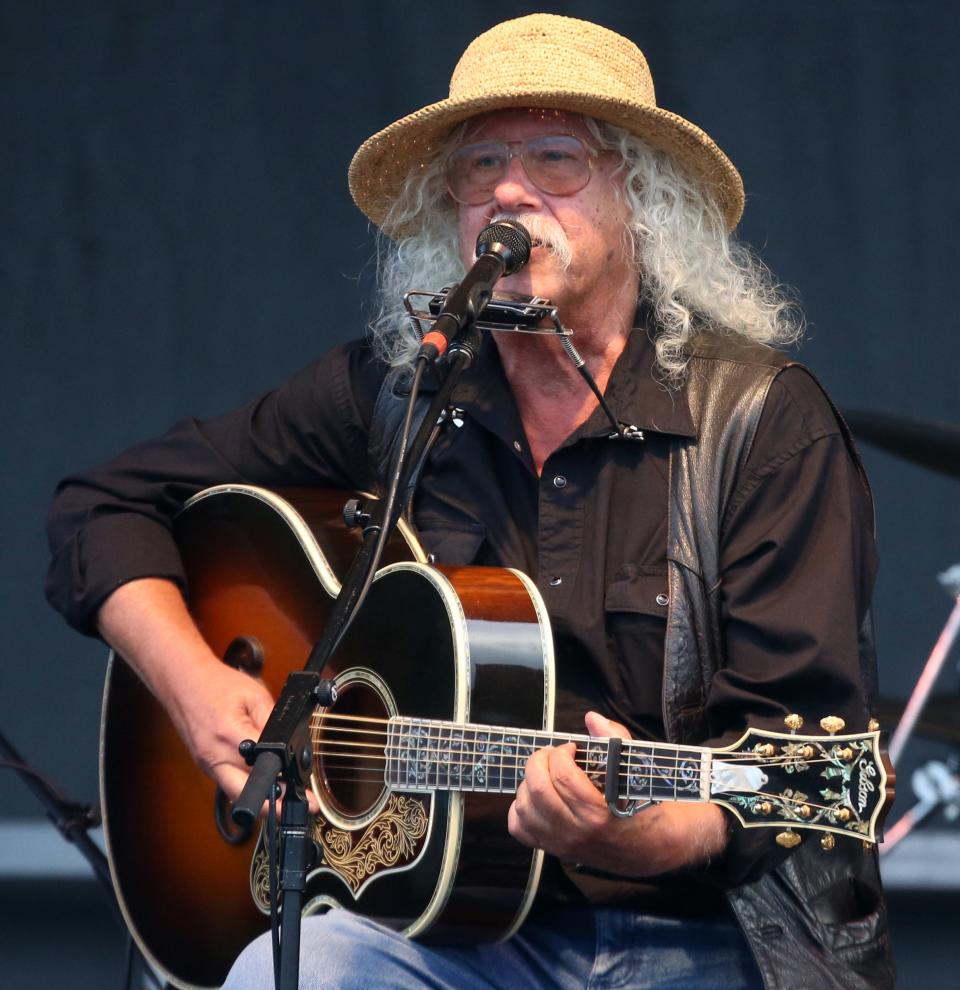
<point x="950" y="579"/>
<point x="935" y="784"/>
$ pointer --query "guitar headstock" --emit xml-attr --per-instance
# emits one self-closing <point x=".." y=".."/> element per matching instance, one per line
<point x="832" y="783"/>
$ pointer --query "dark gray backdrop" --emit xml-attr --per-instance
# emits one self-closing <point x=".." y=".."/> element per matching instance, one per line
<point x="176" y="234"/>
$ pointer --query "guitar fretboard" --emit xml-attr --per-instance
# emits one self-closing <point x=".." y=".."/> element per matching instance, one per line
<point x="427" y="755"/>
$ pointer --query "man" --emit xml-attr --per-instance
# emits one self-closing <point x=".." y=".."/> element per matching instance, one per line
<point x="713" y="574"/>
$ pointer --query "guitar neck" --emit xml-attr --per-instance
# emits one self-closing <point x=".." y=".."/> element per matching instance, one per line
<point x="438" y="755"/>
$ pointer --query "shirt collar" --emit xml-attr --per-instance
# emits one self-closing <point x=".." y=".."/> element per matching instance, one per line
<point x="633" y="393"/>
<point x="637" y="397"/>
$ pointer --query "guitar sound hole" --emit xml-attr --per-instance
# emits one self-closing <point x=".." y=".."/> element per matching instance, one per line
<point x="350" y="749"/>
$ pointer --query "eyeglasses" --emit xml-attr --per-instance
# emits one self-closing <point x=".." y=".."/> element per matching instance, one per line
<point x="558" y="164"/>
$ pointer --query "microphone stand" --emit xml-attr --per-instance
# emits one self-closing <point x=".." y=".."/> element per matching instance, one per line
<point x="284" y="749"/>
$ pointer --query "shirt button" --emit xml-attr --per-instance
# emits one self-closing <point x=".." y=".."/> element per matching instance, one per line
<point x="559" y="481"/>
<point x="662" y="600"/>
<point x="517" y="446"/>
<point x="556" y="582"/>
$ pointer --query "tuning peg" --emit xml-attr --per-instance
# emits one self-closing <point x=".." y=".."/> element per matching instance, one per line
<point x="788" y="839"/>
<point x="793" y="722"/>
<point x="827" y="841"/>
<point x="873" y="725"/>
<point x="832" y="724"/>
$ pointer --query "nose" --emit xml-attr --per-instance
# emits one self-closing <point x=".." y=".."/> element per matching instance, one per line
<point x="515" y="193"/>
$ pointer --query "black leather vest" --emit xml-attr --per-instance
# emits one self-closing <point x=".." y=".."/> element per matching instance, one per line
<point x="818" y="921"/>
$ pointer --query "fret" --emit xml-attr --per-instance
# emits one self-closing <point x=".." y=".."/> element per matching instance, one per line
<point x="500" y="758"/>
<point x="497" y="761"/>
<point x="508" y="774"/>
<point x="478" y="761"/>
<point x="647" y="762"/>
<point x="430" y="757"/>
<point x="633" y="777"/>
<point x="689" y="775"/>
<point x="443" y="755"/>
<point x="526" y="746"/>
<point x="391" y="772"/>
<point x="454" y="757"/>
<point x="595" y="762"/>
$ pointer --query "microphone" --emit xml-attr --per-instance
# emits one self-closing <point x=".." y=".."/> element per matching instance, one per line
<point x="503" y="248"/>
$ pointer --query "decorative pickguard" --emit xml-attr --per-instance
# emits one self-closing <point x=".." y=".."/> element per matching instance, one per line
<point x="260" y="875"/>
<point x="393" y="840"/>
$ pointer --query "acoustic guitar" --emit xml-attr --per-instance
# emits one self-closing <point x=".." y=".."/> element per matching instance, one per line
<point x="445" y="687"/>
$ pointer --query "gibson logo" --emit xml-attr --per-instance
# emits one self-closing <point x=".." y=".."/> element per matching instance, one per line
<point x="865" y="785"/>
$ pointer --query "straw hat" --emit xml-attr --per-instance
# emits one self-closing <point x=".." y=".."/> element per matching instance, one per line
<point x="549" y="62"/>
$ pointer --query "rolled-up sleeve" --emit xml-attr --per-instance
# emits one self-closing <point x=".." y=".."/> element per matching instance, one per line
<point x="113" y="524"/>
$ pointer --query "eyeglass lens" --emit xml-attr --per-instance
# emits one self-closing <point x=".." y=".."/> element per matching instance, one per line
<point x="558" y="164"/>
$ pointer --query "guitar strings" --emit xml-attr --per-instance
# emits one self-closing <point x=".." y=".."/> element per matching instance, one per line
<point x="584" y="758"/>
<point x="511" y="762"/>
<point x="376" y="778"/>
<point x="322" y="720"/>
<point x="515" y="760"/>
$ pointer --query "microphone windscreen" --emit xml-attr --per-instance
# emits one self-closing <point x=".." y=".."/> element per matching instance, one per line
<point x="510" y="240"/>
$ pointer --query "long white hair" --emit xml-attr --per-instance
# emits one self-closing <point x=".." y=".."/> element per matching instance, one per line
<point x="693" y="275"/>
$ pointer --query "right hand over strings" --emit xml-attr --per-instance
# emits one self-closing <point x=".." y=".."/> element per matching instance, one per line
<point x="213" y="706"/>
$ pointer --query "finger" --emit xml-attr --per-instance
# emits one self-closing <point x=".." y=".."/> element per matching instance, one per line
<point x="600" y="725"/>
<point x="571" y="784"/>
<point x="260" y="707"/>
<point x="520" y="831"/>
<point x="230" y="779"/>
<point x="540" y="808"/>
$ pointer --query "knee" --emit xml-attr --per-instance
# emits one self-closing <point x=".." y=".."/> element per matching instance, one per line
<point x="338" y="951"/>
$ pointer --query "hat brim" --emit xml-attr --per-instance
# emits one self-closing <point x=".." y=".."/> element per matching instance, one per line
<point x="384" y="161"/>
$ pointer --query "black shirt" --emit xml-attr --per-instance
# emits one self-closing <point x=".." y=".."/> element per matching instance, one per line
<point x="797" y="558"/>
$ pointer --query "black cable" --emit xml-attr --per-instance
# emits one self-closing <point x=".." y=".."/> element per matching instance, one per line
<point x="619" y="429"/>
<point x="128" y="965"/>
<point x="389" y="507"/>
<point x="25" y="768"/>
<point x="274" y="884"/>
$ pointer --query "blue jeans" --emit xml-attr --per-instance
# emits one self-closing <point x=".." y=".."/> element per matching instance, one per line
<point x="575" y="948"/>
